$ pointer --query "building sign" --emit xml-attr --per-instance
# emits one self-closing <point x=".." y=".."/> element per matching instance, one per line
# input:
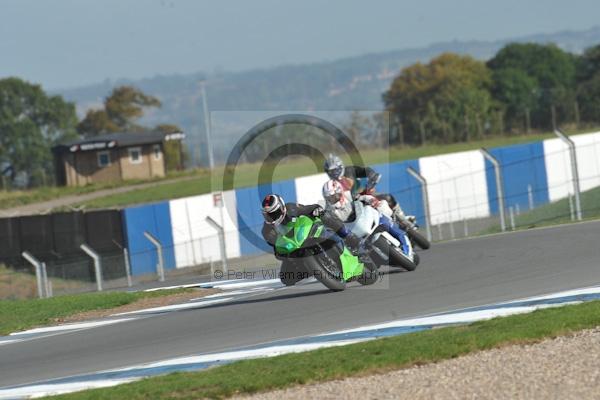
<point x="175" y="136"/>
<point x="92" y="146"/>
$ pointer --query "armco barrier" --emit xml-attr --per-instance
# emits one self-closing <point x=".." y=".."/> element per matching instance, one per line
<point x="156" y="220"/>
<point x="54" y="238"/>
<point x="558" y="164"/>
<point x="461" y="186"/>
<point x="195" y="241"/>
<point x="396" y="180"/>
<point x="522" y="167"/>
<point x="10" y="238"/>
<point x="104" y="230"/>
<point x="456" y="186"/>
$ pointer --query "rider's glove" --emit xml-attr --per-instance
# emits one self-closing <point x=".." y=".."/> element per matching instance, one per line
<point x="318" y="212"/>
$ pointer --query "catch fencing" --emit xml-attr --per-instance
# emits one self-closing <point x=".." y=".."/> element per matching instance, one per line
<point x="464" y="195"/>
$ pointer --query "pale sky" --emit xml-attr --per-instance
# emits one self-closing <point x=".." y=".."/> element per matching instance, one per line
<point x="68" y="43"/>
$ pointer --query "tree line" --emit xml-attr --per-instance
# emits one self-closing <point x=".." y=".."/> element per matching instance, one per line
<point x="32" y="122"/>
<point x="524" y="87"/>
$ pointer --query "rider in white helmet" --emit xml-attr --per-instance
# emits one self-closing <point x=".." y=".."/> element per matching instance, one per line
<point x="339" y="203"/>
<point x="338" y="200"/>
<point x="335" y="169"/>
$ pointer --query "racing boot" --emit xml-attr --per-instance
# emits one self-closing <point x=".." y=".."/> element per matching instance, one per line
<point x="395" y="231"/>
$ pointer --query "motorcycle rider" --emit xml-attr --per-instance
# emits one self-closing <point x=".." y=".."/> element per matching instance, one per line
<point x="277" y="214"/>
<point x="339" y="202"/>
<point x="347" y="176"/>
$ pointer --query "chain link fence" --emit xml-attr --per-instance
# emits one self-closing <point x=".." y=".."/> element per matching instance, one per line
<point x="454" y="213"/>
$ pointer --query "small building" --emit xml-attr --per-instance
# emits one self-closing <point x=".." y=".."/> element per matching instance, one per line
<point x="112" y="158"/>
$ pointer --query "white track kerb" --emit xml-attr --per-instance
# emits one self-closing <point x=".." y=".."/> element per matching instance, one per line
<point x="243" y="289"/>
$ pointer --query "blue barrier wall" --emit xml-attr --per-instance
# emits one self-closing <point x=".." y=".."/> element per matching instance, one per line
<point x="405" y="188"/>
<point x="156" y="220"/>
<point x="521" y="165"/>
<point x="249" y="217"/>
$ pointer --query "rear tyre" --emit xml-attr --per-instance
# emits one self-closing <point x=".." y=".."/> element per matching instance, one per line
<point x="326" y="271"/>
<point x="419" y="239"/>
<point x="396" y="258"/>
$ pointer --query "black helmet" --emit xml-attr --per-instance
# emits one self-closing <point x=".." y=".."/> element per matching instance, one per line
<point x="334" y="167"/>
<point x="273" y="209"/>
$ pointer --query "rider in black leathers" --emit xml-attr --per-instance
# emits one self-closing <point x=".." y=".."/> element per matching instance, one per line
<point x="276" y="213"/>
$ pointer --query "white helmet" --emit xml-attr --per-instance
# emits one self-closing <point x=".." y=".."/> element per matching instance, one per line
<point x="333" y="191"/>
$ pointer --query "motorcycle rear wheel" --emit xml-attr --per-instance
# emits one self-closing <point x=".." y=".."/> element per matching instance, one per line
<point x="419" y="239"/>
<point x="396" y="258"/>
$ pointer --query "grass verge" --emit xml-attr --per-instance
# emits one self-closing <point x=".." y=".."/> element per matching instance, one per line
<point x="558" y="212"/>
<point x="22" y="285"/>
<point x="248" y="174"/>
<point x="18" y="315"/>
<point x="257" y="375"/>
<point x="16" y="198"/>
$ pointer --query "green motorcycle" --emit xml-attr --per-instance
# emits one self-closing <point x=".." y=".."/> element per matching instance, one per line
<point x="308" y="242"/>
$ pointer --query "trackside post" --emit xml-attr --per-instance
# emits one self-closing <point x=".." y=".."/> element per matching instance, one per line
<point x="160" y="266"/>
<point x="574" y="170"/>
<point x="97" y="264"/>
<point x="38" y="272"/>
<point x="499" y="185"/>
<point x="423" y="183"/>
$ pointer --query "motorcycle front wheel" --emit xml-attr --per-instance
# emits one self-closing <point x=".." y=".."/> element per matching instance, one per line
<point x="327" y="271"/>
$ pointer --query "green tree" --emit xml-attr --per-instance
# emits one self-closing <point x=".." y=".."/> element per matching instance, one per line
<point x="446" y="100"/>
<point x="30" y="123"/>
<point x="176" y="152"/>
<point x="122" y="108"/>
<point x="588" y="88"/>
<point x="537" y="77"/>
<point x="588" y="65"/>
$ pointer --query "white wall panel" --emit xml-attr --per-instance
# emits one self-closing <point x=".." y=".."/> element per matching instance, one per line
<point x="558" y="164"/>
<point x="195" y="241"/>
<point x="588" y="160"/>
<point x="558" y="169"/>
<point x="457" y="186"/>
<point x="308" y="188"/>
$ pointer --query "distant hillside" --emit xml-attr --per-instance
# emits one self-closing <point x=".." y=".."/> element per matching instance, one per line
<point x="344" y="84"/>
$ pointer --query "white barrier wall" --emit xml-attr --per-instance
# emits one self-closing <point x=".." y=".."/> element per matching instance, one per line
<point x="308" y="188"/>
<point x="558" y="164"/>
<point x="195" y="241"/>
<point x="456" y="186"/>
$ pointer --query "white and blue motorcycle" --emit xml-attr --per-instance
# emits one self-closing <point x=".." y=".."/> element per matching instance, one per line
<point x="377" y="242"/>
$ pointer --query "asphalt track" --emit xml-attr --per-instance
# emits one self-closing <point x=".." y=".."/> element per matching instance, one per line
<point x="451" y="275"/>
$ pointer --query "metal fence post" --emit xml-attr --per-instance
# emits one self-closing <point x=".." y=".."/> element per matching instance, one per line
<point x="97" y="264"/>
<point x="423" y="183"/>
<point x="574" y="170"/>
<point x="221" y="233"/>
<point x="127" y="266"/>
<point x="38" y="272"/>
<point x="512" y="218"/>
<point x="499" y="185"/>
<point x="571" y="209"/>
<point x="530" y="196"/>
<point x="160" y="267"/>
<point x="47" y="283"/>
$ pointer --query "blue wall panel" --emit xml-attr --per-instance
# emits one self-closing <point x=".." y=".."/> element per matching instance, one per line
<point x="405" y="188"/>
<point x="249" y="217"/>
<point x="521" y="165"/>
<point x="156" y="220"/>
